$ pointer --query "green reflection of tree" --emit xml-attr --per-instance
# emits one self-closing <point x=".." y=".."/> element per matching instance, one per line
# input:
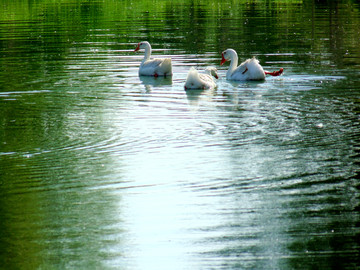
<point x="49" y="218"/>
<point x="310" y="29"/>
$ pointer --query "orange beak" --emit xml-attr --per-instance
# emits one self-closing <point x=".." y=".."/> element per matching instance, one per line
<point x="137" y="48"/>
<point x="223" y="60"/>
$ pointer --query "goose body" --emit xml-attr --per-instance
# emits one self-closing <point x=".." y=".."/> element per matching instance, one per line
<point x="196" y="80"/>
<point x="249" y="70"/>
<point x="153" y="67"/>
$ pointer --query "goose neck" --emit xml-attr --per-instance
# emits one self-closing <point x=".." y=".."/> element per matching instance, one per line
<point x="147" y="53"/>
<point x="233" y="62"/>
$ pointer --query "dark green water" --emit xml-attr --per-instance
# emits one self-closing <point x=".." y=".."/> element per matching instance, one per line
<point x="101" y="169"/>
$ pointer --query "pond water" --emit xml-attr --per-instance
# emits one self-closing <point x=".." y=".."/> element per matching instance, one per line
<point x="101" y="169"/>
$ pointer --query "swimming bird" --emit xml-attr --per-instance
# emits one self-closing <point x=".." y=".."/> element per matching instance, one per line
<point x="153" y="67"/>
<point x="196" y="80"/>
<point x="249" y="70"/>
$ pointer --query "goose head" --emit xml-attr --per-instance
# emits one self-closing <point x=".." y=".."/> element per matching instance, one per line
<point x="212" y="71"/>
<point x="228" y="55"/>
<point x="142" y="45"/>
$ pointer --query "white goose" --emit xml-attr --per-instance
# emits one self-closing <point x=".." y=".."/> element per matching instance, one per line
<point x="153" y="67"/>
<point x="250" y="70"/>
<point x="196" y="80"/>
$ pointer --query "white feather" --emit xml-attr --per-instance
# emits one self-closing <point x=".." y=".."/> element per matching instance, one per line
<point x="196" y="80"/>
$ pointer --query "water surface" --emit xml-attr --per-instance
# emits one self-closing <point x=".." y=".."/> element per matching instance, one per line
<point x="102" y="169"/>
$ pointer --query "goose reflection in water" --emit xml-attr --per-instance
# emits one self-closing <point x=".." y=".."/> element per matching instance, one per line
<point x="194" y="96"/>
<point x="150" y="82"/>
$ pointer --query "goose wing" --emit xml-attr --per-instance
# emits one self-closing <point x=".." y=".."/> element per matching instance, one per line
<point x="160" y="66"/>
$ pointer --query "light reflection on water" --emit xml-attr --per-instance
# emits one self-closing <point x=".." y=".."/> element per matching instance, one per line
<point x="103" y="169"/>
